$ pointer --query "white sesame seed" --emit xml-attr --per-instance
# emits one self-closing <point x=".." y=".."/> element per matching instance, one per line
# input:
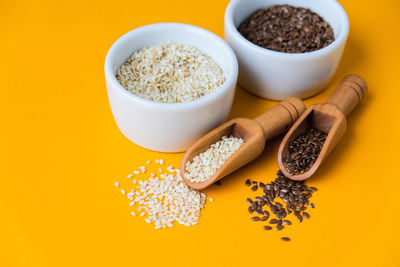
<point x="148" y="162"/>
<point x="134" y="181"/>
<point x="211" y="199"/>
<point x="160" y="170"/>
<point x="136" y="172"/>
<point x="142" y="169"/>
<point x="166" y="199"/>
<point x="187" y="73"/>
<point x="205" y="164"/>
<point x="161" y="161"/>
<point x="123" y="191"/>
<point x="133" y="213"/>
<point x="157" y="161"/>
<point x="116" y="184"/>
<point x="129" y="176"/>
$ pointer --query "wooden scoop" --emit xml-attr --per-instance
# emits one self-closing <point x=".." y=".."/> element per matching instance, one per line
<point x="329" y="118"/>
<point x="255" y="132"/>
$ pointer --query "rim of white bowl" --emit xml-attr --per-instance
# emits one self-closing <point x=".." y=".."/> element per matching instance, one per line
<point x="230" y="78"/>
<point x="339" y="40"/>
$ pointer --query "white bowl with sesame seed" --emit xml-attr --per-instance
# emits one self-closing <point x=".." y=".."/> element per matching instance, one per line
<point x="169" y="127"/>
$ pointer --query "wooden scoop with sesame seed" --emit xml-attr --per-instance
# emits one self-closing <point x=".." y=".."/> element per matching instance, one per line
<point x="329" y="118"/>
<point x="254" y="132"/>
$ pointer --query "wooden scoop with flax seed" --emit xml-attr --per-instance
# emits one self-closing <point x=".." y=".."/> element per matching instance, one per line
<point x="254" y="132"/>
<point x="329" y="118"/>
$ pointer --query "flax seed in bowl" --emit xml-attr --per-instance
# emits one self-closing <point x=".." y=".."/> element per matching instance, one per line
<point x="164" y="102"/>
<point x="269" y="69"/>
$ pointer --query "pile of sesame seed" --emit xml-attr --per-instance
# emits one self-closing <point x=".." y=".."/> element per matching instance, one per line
<point x="164" y="198"/>
<point x="170" y="73"/>
<point x="204" y="165"/>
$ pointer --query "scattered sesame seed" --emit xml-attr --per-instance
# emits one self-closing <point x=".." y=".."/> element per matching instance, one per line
<point x="116" y="184"/>
<point x="136" y="172"/>
<point x="166" y="199"/>
<point x="160" y="170"/>
<point x="148" y="162"/>
<point x="129" y="176"/>
<point x="133" y="213"/>
<point x="123" y="191"/>
<point x="161" y="161"/>
<point x="211" y="199"/>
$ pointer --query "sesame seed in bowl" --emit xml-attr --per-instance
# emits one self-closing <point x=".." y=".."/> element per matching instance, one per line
<point x="176" y="83"/>
<point x="170" y="73"/>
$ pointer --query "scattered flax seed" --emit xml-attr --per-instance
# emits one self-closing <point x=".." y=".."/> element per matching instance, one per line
<point x="282" y="197"/>
<point x="116" y="184"/>
<point x="204" y="165"/>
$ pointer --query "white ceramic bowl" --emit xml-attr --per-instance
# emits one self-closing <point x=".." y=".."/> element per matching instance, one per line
<point x="169" y="127"/>
<point x="277" y="75"/>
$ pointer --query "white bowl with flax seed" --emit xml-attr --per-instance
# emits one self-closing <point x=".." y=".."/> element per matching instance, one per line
<point x="277" y="75"/>
<point x="169" y="127"/>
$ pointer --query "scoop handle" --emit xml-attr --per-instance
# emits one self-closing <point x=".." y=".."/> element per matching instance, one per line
<point x="351" y="90"/>
<point x="281" y="117"/>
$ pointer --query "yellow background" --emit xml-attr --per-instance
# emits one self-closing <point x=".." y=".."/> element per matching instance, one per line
<point x="61" y="150"/>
